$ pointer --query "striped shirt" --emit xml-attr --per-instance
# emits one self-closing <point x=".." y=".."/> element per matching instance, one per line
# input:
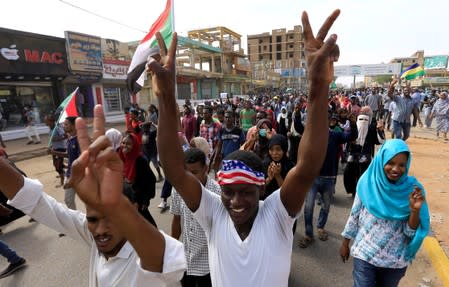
<point x="193" y="236"/>
<point x="380" y="242"/>
<point x="403" y="109"/>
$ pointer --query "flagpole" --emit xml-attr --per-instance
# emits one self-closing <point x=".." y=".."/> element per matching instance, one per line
<point x="172" y="4"/>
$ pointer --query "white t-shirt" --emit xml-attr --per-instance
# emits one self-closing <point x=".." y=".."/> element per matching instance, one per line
<point x="262" y="259"/>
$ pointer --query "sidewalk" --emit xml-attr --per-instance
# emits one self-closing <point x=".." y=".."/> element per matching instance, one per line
<point x="18" y="149"/>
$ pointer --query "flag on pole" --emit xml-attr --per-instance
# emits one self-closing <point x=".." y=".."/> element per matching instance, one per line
<point x="68" y="109"/>
<point x="148" y="47"/>
<point x="412" y="72"/>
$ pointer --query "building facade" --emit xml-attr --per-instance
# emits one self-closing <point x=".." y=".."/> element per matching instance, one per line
<point x="281" y="53"/>
<point x="32" y="70"/>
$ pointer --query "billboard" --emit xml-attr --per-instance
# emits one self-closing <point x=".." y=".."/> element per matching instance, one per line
<point x="116" y="59"/>
<point x="84" y="52"/>
<point x="435" y="62"/>
<point x="367" y="70"/>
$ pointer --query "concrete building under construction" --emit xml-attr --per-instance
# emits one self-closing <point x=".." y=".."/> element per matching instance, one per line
<point x="277" y="58"/>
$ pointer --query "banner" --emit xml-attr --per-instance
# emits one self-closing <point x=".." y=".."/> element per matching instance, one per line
<point x="435" y="62"/>
<point x="368" y="70"/>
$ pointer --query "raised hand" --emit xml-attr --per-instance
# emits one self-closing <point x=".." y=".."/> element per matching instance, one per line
<point x="320" y="54"/>
<point x="416" y="199"/>
<point x="163" y="71"/>
<point x="97" y="175"/>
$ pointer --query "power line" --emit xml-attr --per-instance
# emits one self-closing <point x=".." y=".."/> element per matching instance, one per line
<point x="103" y="17"/>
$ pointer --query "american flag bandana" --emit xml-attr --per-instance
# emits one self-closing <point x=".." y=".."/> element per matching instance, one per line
<point x="236" y="172"/>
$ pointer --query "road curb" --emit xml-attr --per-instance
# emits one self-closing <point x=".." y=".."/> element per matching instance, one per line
<point x="439" y="259"/>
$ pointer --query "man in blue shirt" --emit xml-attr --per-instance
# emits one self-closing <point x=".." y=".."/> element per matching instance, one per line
<point x="73" y="152"/>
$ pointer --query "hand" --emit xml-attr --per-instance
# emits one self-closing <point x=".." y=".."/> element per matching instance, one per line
<point x="393" y="83"/>
<point x="67" y="185"/>
<point x="320" y="55"/>
<point x="163" y="71"/>
<point x="276" y="168"/>
<point x="270" y="172"/>
<point x="344" y="252"/>
<point x="97" y="174"/>
<point x="416" y="199"/>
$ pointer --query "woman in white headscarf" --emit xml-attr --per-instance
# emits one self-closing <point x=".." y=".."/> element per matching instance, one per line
<point x="370" y="134"/>
<point x="115" y="137"/>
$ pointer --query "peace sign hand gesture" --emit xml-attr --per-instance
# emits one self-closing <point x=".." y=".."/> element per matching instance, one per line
<point x="320" y="54"/>
<point x="97" y="174"/>
<point x="163" y="71"/>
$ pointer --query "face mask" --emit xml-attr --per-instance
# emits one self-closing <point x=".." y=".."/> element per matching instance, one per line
<point x="263" y="132"/>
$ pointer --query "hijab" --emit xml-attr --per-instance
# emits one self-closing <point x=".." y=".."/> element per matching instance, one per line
<point x="115" y="137"/>
<point x="280" y="140"/>
<point x="362" y="127"/>
<point x="390" y="200"/>
<point x="129" y="159"/>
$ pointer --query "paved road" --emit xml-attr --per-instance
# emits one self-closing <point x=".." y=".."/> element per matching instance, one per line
<point x="54" y="261"/>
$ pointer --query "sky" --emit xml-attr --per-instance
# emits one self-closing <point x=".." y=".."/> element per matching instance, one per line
<point x="369" y="31"/>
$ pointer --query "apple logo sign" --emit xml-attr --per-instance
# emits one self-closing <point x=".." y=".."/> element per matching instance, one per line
<point x="10" y="53"/>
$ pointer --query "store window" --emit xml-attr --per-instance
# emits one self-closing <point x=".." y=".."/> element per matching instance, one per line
<point x="115" y="99"/>
<point x="13" y="99"/>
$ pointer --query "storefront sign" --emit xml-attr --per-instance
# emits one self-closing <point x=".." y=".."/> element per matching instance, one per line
<point x="84" y="52"/>
<point x="116" y="59"/>
<point x="31" y="54"/>
<point x="114" y="71"/>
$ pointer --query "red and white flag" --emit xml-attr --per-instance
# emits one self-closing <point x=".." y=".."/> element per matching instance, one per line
<point x="68" y="107"/>
<point x="148" y="46"/>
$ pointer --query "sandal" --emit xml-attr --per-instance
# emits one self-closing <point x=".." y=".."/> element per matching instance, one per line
<point x="305" y="241"/>
<point x="322" y="234"/>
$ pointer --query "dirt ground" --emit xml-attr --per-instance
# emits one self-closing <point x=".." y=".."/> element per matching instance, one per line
<point x="430" y="164"/>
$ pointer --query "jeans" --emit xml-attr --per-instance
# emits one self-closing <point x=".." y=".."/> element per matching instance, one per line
<point x="8" y="253"/>
<point x="166" y="190"/>
<point x="401" y="130"/>
<point x="325" y="186"/>
<point x="368" y="275"/>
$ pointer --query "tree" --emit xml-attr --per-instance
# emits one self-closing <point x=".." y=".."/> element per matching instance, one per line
<point x="382" y="79"/>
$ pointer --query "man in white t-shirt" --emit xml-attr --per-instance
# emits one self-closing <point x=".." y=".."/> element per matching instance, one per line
<point x="125" y="250"/>
<point x="250" y="241"/>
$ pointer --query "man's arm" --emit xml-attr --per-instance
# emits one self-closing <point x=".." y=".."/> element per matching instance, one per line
<point x="171" y="155"/>
<point x="11" y="181"/>
<point x="312" y="149"/>
<point x="97" y="177"/>
<point x="58" y="153"/>
<point x="176" y="227"/>
<point x="391" y="89"/>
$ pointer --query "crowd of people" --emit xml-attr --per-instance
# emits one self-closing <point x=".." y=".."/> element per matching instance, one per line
<point x="239" y="172"/>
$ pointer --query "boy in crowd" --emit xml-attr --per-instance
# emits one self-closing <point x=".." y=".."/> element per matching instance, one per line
<point x="193" y="237"/>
